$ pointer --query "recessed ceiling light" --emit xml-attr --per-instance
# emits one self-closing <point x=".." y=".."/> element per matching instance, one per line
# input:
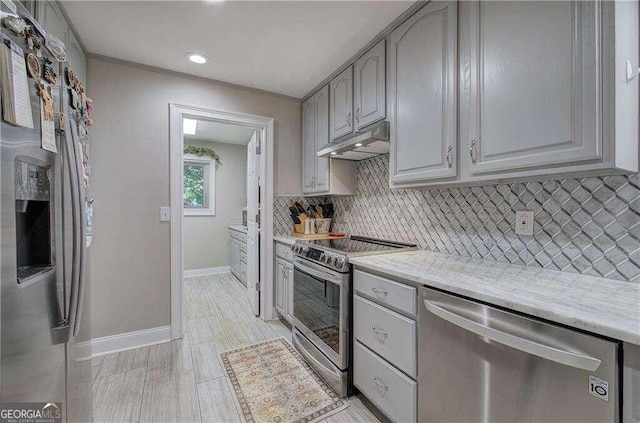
<point x="333" y="153"/>
<point x="189" y="126"/>
<point x="197" y="58"/>
<point x="359" y="144"/>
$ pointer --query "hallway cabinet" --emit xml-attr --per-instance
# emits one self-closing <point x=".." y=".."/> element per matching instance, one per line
<point x="369" y="87"/>
<point x="238" y="254"/>
<point x="422" y="96"/>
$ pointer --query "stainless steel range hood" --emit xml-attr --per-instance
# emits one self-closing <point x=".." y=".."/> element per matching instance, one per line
<point x="374" y="141"/>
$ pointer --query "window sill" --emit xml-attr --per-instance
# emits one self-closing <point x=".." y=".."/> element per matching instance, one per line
<point x="199" y="212"/>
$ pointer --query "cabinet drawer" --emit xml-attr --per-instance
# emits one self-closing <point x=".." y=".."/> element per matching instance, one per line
<point x="243" y="247"/>
<point x="390" y="390"/>
<point x="386" y="292"/>
<point x="387" y="333"/>
<point x="284" y="251"/>
<point x="243" y="257"/>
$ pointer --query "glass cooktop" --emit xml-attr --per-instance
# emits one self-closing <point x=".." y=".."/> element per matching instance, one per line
<point x="356" y="245"/>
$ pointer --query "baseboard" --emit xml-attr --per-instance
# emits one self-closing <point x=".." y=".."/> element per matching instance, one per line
<point x="207" y="271"/>
<point x="130" y="340"/>
<point x="83" y="350"/>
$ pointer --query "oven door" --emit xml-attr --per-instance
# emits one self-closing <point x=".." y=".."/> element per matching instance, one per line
<point x="320" y="308"/>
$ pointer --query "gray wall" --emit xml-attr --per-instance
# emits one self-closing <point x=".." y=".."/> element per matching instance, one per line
<point x="587" y="225"/>
<point x="130" y="259"/>
<point x="206" y="237"/>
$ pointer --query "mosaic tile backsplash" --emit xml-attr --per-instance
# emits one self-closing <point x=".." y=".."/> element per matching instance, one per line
<point x="588" y="225"/>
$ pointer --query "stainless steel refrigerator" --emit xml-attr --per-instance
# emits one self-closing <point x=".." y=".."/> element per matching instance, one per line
<point x="44" y="304"/>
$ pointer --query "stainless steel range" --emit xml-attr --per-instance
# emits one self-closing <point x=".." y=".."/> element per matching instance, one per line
<point x="322" y="302"/>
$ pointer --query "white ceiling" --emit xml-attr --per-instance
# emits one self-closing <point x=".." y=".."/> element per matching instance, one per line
<point x="286" y="47"/>
<point x="221" y="132"/>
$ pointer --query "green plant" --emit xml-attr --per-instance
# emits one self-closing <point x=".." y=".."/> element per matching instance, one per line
<point x="203" y="151"/>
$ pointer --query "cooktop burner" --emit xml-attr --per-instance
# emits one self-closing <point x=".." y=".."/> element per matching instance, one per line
<point x="335" y="253"/>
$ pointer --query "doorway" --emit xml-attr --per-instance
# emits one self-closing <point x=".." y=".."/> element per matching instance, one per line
<point x="207" y="198"/>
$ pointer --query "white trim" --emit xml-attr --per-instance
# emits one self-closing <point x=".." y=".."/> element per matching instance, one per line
<point x="83" y="350"/>
<point x="126" y="341"/>
<point x="266" y="127"/>
<point x="207" y="271"/>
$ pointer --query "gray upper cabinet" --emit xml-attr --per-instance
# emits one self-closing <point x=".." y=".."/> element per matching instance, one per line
<point x="315" y="128"/>
<point x="369" y="87"/>
<point x="341" y="104"/>
<point x="51" y="18"/>
<point x="321" y="129"/>
<point x="534" y="89"/>
<point x="322" y="176"/>
<point x="308" y="145"/>
<point x="422" y="96"/>
<point x="76" y="58"/>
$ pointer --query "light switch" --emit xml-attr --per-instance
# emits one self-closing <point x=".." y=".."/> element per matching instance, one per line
<point x="524" y="222"/>
<point x="165" y="214"/>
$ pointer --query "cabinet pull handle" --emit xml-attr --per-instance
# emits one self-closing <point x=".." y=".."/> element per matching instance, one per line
<point x="358" y="115"/>
<point x="349" y="119"/>
<point x="379" y="332"/>
<point x="449" y="159"/>
<point x="379" y="291"/>
<point x="472" y="152"/>
<point x="380" y="384"/>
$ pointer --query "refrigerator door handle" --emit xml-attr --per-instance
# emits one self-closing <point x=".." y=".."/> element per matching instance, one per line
<point x="69" y="159"/>
<point x="548" y="352"/>
<point x="82" y="232"/>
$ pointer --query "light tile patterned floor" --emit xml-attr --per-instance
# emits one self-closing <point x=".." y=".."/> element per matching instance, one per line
<point x="183" y="380"/>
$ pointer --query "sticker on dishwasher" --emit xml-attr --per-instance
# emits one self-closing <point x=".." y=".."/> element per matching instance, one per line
<point x="599" y="388"/>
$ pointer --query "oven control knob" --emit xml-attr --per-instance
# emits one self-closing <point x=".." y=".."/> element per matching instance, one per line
<point x="337" y="262"/>
<point x="322" y="258"/>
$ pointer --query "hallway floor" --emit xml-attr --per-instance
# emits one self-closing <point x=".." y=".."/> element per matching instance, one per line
<point x="183" y="380"/>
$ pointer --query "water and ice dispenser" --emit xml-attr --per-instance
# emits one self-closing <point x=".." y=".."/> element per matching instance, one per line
<point x="33" y="220"/>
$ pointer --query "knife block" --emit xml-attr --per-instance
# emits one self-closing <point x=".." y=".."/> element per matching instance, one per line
<point x="299" y="228"/>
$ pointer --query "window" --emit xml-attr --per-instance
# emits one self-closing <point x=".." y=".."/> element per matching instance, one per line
<point x="198" y="186"/>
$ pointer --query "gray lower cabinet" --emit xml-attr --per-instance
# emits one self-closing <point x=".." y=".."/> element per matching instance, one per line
<point x="422" y="96"/>
<point x="386" y="344"/>
<point x="284" y="281"/>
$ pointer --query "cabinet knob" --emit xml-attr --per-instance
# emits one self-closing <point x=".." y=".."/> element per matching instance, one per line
<point x="449" y="158"/>
<point x="472" y="152"/>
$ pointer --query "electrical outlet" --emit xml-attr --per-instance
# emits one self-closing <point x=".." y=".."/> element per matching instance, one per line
<point x="524" y="222"/>
<point x="165" y="214"/>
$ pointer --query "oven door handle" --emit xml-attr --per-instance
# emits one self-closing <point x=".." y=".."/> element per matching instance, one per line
<point x="317" y="272"/>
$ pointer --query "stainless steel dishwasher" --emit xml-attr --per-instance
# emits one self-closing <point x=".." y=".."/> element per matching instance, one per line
<point x="477" y="363"/>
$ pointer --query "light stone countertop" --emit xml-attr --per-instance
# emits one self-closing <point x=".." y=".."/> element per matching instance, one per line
<point x="285" y="239"/>
<point x="603" y="306"/>
<point x="238" y="228"/>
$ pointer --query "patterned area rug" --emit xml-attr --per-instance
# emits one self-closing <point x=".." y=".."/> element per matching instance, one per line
<point x="273" y="383"/>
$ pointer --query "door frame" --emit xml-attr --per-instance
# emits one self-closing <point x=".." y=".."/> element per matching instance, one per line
<point x="267" y="143"/>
